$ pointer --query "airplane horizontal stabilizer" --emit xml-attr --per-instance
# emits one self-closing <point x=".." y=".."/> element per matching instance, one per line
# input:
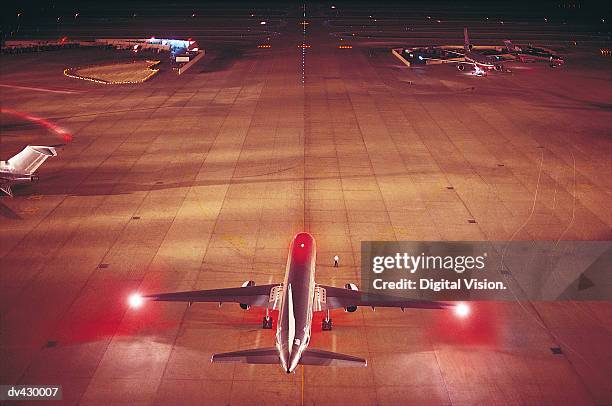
<point x="254" y="356"/>
<point x="7" y="189"/>
<point x="328" y="358"/>
<point x="30" y="158"/>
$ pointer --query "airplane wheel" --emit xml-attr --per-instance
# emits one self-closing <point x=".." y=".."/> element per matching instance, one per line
<point x="267" y="322"/>
<point x="326" y="325"/>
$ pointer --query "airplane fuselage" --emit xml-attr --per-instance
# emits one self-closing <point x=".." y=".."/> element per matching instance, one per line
<point x="531" y="55"/>
<point x="295" y="316"/>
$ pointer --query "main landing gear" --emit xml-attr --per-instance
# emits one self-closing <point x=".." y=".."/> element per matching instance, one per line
<point x="267" y="321"/>
<point x="326" y="324"/>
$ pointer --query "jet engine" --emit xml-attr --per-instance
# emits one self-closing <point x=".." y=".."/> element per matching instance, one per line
<point x="245" y="306"/>
<point x="35" y="178"/>
<point x="461" y="67"/>
<point x="351" y="286"/>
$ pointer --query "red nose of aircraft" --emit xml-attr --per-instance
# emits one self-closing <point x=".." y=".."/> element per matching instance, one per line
<point x="302" y="247"/>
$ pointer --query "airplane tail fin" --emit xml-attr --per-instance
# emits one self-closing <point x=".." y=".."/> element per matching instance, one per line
<point x="466" y="40"/>
<point x="30" y="158"/>
<point x="254" y="356"/>
<point x="328" y="358"/>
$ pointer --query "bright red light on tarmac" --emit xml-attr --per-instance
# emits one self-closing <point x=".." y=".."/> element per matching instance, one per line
<point x="40" y="121"/>
<point x="135" y="301"/>
<point x="462" y="310"/>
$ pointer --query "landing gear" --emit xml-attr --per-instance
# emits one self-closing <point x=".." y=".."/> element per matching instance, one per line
<point x="326" y="324"/>
<point x="267" y="320"/>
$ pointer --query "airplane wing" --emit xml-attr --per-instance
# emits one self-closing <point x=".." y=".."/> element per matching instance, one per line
<point x="341" y="297"/>
<point x="263" y="295"/>
<point x="328" y="358"/>
<point x="30" y="158"/>
<point x="256" y="356"/>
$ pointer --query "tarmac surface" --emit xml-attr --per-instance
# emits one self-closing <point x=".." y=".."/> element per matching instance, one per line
<point x="200" y="181"/>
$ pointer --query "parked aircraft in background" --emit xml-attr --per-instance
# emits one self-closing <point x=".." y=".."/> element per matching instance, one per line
<point x="297" y="298"/>
<point x="481" y="58"/>
<point x="530" y="53"/>
<point x="482" y="62"/>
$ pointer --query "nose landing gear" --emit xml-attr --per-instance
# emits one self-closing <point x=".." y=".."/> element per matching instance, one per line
<point x="326" y="324"/>
<point x="267" y="320"/>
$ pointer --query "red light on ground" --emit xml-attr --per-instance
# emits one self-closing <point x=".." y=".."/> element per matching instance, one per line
<point x="135" y="301"/>
<point x="462" y="310"/>
<point x="40" y="121"/>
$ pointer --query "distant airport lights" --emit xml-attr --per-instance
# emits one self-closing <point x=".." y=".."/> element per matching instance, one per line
<point x="605" y="52"/>
<point x="304" y="23"/>
<point x="345" y="47"/>
<point x="264" y="46"/>
<point x="304" y="46"/>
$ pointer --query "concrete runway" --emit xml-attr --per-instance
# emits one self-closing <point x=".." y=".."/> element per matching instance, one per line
<point x="200" y="181"/>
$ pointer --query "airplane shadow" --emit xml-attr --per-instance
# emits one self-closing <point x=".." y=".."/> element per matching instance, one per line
<point x="121" y="188"/>
<point x="8" y="213"/>
<point x="221" y="59"/>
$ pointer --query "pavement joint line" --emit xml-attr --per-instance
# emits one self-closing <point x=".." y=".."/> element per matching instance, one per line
<point x="90" y="276"/>
<point x="184" y="314"/>
<point x="41" y="270"/>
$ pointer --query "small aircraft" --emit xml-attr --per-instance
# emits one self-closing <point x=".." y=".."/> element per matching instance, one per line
<point x="297" y="298"/>
<point x="530" y="53"/>
<point x="21" y="167"/>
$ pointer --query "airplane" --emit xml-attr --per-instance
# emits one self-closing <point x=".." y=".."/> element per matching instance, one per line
<point x="480" y="61"/>
<point x="20" y="168"/>
<point x="297" y="298"/>
<point x="530" y="53"/>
